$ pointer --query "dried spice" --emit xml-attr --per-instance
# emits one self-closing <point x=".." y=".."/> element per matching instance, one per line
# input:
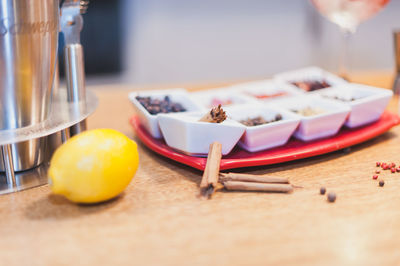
<point x="311" y="85"/>
<point x="331" y="197"/>
<point x="340" y="98"/>
<point x="216" y="102"/>
<point x="260" y="183"/>
<point x="252" y="178"/>
<point x="156" y="106"/>
<point x="209" y="182"/>
<point x="309" y="111"/>
<point x="216" y="115"/>
<point x="268" y="96"/>
<point x="260" y="187"/>
<point x="259" y="120"/>
<point x="322" y="190"/>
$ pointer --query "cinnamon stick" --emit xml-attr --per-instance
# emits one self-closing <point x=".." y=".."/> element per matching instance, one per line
<point x="253" y="178"/>
<point x="253" y="186"/>
<point x="209" y="182"/>
<point x="216" y="115"/>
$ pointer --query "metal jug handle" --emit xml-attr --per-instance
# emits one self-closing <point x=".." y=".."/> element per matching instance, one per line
<point x="71" y="26"/>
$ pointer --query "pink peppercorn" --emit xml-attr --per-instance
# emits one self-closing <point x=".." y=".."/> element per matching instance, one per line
<point x="398" y="169"/>
<point x="378" y="164"/>
<point x="393" y="170"/>
<point x="375" y="177"/>
<point x="383" y="165"/>
<point x="392" y="165"/>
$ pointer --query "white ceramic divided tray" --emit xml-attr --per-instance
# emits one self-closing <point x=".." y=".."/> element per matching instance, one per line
<point x="183" y="132"/>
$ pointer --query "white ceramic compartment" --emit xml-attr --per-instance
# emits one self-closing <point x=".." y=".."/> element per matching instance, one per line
<point x="149" y="121"/>
<point x="261" y="137"/>
<point x="369" y="103"/>
<point x="208" y="98"/>
<point x="321" y="125"/>
<point x="268" y="88"/>
<point x="308" y="73"/>
<point x="183" y="132"/>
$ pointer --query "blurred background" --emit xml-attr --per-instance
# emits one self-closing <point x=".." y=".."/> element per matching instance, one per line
<point x="151" y="42"/>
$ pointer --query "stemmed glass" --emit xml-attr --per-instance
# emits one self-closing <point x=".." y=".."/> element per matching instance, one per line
<point x="348" y="14"/>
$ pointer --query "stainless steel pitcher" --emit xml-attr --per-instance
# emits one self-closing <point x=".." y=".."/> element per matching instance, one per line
<point x="28" y="52"/>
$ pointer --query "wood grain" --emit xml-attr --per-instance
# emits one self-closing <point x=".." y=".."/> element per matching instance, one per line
<point x="159" y="220"/>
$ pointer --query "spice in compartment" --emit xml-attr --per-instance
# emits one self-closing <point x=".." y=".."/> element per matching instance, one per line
<point x="309" y="111"/>
<point x="259" y="120"/>
<point x="341" y="98"/>
<point x="217" y="101"/>
<point x="265" y="96"/>
<point x="311" y="85"/>
<point x="155" y="106"/>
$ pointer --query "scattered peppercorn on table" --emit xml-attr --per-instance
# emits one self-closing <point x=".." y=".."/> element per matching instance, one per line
<point x="158" y="220"/>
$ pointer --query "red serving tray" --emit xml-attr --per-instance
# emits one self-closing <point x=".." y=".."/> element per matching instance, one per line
<point x="293" y="150"/>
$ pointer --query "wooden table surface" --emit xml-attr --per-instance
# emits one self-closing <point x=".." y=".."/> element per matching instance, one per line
<point x="158" y="220"/>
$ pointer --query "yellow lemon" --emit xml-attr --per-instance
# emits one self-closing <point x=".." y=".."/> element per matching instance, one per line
<point x="93" y="166"/>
